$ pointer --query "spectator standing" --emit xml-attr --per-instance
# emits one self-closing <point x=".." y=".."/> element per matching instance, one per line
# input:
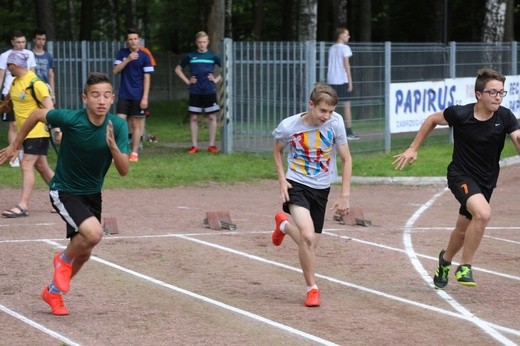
<point x="44" y="60"/>
<point x="36" y="142"/>
<point x="18" y="42"/>
<point x="313" y="137"/>
<point x="339" y="75"/>
<point x="92" y="140"/>
<point x="202" y="89"/>
<point x="135" y="68"/>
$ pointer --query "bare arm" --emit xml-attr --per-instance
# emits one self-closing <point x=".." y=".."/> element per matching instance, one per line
<point x="342" y="204"/>
<point x="38" y="115"/>
<point x="2" y="75"/>
<point x="346" y="64"/>
<point x="120" y="159"/>
<point x="410" y="155"/>
<point x="179" y="72"/>
<point x="515" y="137"/>
<point x="146" y="92"/>
<point x="280" y="170"/>
<point x="51" y="83"/>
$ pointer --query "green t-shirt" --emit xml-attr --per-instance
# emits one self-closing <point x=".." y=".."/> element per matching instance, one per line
<point x="84" y="157"/>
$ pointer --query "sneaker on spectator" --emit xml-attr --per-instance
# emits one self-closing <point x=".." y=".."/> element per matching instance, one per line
<point x="134" y="157"/>
<point x="15" y="163"/>
<point x="193" y="150"/>
<point x="313" y="298"/>
<point x="55" y="301"/>
<point x="352" y="136"/>
<point x="213" y="149"/>
<point x="62" y="273"/>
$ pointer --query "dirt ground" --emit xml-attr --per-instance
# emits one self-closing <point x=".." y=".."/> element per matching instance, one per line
<point x="167" y="279"/>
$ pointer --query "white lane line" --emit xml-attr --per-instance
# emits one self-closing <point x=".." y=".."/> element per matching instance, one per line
<point x="38" y="326"/>
<point x="407" y="239"/>
<point x="501" y="239"/>
<point x="347" y="284"/>
<point x="211" y="301"/>
<point x="386" y="247"/>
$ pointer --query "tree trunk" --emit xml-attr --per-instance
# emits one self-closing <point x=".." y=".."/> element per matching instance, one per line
<point x="288" y="20"/>
<point x="258" y="19"/>
<point x="339" y="10"/>
<point x="216" y="24"/>
<point x="72" y="20"/>
<point x="494" y="21"/>
<point x="509" y="31"/>
<point x="364" y="29"/>
<point x="45" y="18"/>
<point x="308" y="20"/>
<point x="85" y="30"/>
<point x="493" y="30"/>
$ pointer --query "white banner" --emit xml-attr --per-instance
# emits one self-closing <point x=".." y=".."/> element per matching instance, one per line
<point x="412" y="103"/>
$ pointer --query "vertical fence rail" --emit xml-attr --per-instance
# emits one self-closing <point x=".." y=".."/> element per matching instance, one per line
<point x="265" y="82"/>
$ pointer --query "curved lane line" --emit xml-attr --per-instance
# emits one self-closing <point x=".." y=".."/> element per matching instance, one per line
<point x="407" y="239"/>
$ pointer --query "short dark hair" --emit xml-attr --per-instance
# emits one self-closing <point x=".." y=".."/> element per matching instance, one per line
<point x="17" y="33"/>
<point x="486" y="74"/>
<point x="39" y="32"/>
<point x="96" y="78"/>
<point x="132" y="31"/>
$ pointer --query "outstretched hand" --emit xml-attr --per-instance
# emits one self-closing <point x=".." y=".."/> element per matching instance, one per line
<point x="341" y="206"/>
<point x="406" y="158"/>
<point x="8" y="153"/>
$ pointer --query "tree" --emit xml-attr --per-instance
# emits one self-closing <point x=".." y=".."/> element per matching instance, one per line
<point x="216" y="24"/>
<point x="45" y="18"/>
<point x="494" y="21"/>
<point x="493" y="30"/>
<point x="307" y="20"/>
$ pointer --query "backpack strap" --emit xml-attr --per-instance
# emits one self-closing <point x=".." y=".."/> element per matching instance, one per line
<point x="33" y="94"/>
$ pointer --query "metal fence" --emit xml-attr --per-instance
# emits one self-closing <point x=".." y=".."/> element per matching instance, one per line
<point x="265" y="82"/>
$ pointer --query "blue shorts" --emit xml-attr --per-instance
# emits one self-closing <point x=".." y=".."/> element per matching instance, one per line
<point x="315" y="200"/>
<point x="74" y="209"/>
<point x="206" y="104"/>
<point x="463" y="187"/>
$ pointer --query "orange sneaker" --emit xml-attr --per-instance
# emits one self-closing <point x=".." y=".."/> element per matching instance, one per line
<point x="134" y="157"/>
<point x="313" y="298"/>
<point x="55" y="301"/>
<point x="62" y="273"/>
<point x="278" y="235"/>
<point x="193" y="150"/>
<point x="213" y="149"/>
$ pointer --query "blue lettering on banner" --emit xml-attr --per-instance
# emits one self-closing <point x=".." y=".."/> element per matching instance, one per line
<point x="427" y="100"/>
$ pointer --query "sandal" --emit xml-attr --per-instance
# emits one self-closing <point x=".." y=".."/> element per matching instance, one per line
<point x="13" y="213"/>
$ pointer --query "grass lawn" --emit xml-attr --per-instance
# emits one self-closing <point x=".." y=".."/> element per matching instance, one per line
<point x="166" y="163"/>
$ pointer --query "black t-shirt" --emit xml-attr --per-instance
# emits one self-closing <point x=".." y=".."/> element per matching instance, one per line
<point x="478" y="144"/>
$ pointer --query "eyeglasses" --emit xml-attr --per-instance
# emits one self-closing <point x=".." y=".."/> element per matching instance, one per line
<point x="494" y="93"/>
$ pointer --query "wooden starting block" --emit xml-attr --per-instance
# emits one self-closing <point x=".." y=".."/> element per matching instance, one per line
<point x="110" y="225"/>
<point x="219" y="220"/>
<point x="355" y="216"/>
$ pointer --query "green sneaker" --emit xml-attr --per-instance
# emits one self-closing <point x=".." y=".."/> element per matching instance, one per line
<point x="440" y="279"/>
<point x="464" y="275"/>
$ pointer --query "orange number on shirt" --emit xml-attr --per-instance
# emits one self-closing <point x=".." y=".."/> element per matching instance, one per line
<point x="465" y="188"/>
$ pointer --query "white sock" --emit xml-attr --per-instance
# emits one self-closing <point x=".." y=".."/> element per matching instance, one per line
<point x="282" y="226"/>
<point x="312" y="287"/>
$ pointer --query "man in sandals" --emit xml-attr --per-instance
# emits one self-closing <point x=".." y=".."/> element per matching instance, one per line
<point x="36" y="143"/>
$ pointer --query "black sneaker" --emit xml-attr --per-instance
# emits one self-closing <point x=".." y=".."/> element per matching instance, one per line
<point x="440" y="279"/>
<point x="464" y="275"/>
<point x="352" y="136"/>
